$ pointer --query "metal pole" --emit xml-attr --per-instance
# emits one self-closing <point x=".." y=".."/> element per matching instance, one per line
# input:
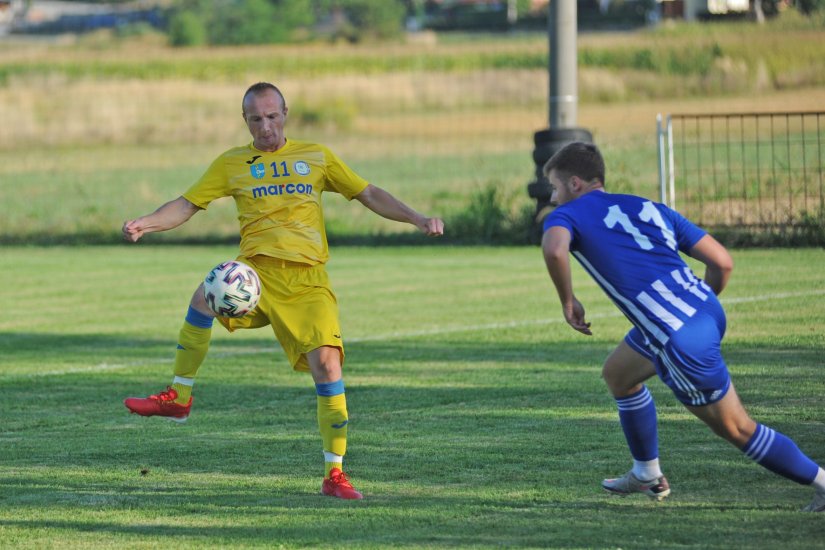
<point x="563" y="101"/>
<point x="660" y="142"/>
<point x="671" y="163"/>
<point x="512" y="12"/>
<point x="562" y="21"/>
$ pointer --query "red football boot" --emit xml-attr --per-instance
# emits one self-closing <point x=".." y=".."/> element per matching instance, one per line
<point x="338" y="485"/>
<point x="161" y="404"/>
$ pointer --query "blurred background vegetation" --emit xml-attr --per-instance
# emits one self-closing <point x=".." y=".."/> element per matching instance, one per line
<point x="102" y="126"/>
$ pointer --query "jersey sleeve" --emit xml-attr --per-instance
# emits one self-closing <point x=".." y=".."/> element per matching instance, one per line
<point x="211" y="185"/>
<point x="559" y="218"/>
<point x="341" y="178"/>
<point x="687" y="233"/>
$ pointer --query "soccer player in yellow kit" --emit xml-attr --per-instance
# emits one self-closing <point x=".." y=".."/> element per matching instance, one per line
<point x="277" y="185"/>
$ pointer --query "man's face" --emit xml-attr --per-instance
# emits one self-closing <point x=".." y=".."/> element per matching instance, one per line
<point x="265" y="116"/>
<point x="562" y="192"/>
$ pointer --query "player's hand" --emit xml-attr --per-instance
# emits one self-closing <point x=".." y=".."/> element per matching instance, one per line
<point x="432" y="227"/>
<point x="132" y="231"/>
<point x="574" y="315"/>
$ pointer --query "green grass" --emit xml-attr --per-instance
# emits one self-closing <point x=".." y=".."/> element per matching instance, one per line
<point x="97" y="189"/>
<point x="788" y="47"/>
<point x="433" y="124"/>
<point x="478" y="418"/>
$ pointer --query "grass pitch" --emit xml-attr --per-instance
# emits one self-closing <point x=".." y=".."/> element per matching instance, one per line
<point x="478" y="418"/>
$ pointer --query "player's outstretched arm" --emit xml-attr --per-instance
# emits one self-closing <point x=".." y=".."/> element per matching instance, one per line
<point x="555" y="245"/>
<point x="717" y="260"/>
<point x="168" y="216"/>
<point x="387" y="206"/>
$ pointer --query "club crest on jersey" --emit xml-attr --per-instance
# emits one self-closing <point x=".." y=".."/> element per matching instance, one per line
<point x="301" y="168"/>
<point x="258" y="171"/>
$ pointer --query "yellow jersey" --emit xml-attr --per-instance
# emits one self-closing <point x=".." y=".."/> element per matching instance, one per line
<point x="278" y="196"/>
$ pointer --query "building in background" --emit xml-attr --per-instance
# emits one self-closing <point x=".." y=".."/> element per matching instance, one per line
<point x="691" y="10"/>
<point x="10" y="12"/>
<point x="56" y="17"/>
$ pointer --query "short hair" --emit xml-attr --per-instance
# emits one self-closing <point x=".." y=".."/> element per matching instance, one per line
<point x="580" y="159"/>
<point x="258" y="89"/>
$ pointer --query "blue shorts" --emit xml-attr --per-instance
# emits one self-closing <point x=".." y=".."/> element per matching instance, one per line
<point x="691" y="362"/>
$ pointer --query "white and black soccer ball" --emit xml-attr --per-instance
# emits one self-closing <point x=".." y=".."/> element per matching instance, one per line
<point x="232" y="289"/>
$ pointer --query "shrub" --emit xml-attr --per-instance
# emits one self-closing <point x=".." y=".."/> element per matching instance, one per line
<point x="374" y="18"/>
<point x="195" y="22"/>
<point x="186" y="28"/>
<point x="812" y="227"/>
<point x="492" y="217"/>
<point x="809" y="7"/>
<point x="245" y="22"/>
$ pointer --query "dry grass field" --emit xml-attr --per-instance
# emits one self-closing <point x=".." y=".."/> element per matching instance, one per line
<point x="437" y="93"/>
<point x="419" y="113"/>
<point x="431" y="121"/>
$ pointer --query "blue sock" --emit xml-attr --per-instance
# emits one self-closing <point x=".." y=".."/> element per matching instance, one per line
<point x="780" y="455"/>
<point x="198" y="319"/>
<point x="637" y="414"/>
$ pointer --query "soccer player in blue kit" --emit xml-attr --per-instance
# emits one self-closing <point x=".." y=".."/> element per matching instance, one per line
<point x="630" y="246"/>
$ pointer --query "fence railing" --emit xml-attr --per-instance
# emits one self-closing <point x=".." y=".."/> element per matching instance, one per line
<point x="752" y="171"/>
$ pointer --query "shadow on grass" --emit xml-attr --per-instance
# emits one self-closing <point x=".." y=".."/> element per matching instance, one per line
<point x="579" y="517"/>
<point x="455" y="442"/>
<point x="411" y="347"/>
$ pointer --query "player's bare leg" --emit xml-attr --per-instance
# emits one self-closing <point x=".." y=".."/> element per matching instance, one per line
<point x="625" y="371"/>
<point x="769" y="448"/>
<point x="325" y="365"/>
<point x="727" y="418"/>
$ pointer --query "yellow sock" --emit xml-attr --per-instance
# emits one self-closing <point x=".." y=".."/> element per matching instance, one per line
<point x="193" y="343"/>
<point x="330" y="465"/>
<point x="184" y="388"/>
<point x="332" y="422"/>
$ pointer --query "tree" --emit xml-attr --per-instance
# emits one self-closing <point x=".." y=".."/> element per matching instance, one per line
<point x="186" y="28"/>
<point x="377" y="18"/>
<point x="809" y="7"/>
<point x="238" y="21"/>
<point x="758" y="12"/>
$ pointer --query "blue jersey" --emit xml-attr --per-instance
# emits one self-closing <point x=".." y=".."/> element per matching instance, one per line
<point x="630" y="246"/>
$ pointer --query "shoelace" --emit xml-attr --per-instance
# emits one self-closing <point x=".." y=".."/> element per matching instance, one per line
<point x="343" y="480"/>
<point x="168" y="394"/>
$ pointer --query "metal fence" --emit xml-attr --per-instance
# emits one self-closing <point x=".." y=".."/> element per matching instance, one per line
<point x="750" y="171"/>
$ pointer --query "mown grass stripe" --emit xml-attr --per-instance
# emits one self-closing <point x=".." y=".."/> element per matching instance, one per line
<point x="436" y="331"/>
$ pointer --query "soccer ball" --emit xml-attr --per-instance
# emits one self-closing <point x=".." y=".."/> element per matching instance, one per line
<point x="232" y="289"/>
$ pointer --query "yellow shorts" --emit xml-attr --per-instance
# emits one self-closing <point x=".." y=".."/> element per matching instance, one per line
<point x="298" y="302"/>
